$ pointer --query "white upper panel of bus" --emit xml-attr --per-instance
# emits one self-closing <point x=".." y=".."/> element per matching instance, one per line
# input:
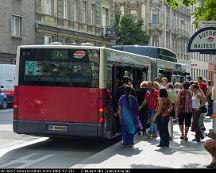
<point x="57" y="46"/>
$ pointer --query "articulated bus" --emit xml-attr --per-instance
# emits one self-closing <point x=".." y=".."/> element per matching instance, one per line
<point x="67" y="90"/>
<point x="164" y="61"/>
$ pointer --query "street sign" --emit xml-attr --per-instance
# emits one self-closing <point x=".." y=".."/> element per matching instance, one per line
<point x="203" y="41"/>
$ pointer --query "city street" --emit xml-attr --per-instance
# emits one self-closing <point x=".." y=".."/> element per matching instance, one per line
<point x="68" y="69"/>
<point x="23" y="151"/>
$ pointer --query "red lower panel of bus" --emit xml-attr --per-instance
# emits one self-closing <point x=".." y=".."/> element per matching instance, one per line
<point x="57" y="104"/>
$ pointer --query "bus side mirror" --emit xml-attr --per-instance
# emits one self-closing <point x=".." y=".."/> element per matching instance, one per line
<point x="2" y="86"/>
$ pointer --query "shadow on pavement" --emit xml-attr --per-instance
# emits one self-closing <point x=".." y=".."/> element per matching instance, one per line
<point x="76" y="150"/>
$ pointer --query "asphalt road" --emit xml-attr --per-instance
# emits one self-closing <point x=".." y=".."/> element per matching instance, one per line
<point x="24" y="151"/>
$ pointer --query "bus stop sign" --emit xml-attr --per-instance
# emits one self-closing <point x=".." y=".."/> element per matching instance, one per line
<point x="203" y="41"/>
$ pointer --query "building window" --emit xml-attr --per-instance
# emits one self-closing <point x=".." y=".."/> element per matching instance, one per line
<point x="65" y="9"/>
<point x="16" y="23"/>
<point x="48" y="7"/>
<point x="133" y="13"/>
<point x="104" y="18"/>
<point x="155" y="18"/>
<point x="48" y="39"/>
<point x="92" y="22"/>
<point x="76" y="10"/>
<point x="85" y="12"/>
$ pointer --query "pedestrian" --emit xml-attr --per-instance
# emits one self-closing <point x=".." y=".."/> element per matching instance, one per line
<point x="209" y="98"/>
<point x="196" y="111"/>
<point x="177" y="87"/>
<point x="157" y="80"/>
<point x="151" y="100"/>
<point x="210" y="146"/>
<point x="203" y="111"/>
<point x="202" y="84"/>
<point x="162" y="117"/>
<point x="120" y="91"/>
<point x="128" y="115"/>
<point x="184" y="109"/>
<point x="143" y="116"/>
<point x="164" y="82"/>
<point x="172" y="97"/>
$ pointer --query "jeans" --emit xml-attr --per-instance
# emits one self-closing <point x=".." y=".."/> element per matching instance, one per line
<point x="196" y="116"/>
<point x="162" y="125"/>
<point x="210" y="105"/>
<point x="153" y="127"/>
<point x="210" y="110"/>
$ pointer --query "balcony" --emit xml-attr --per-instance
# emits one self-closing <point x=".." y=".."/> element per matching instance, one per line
<point x="108" y="32"/>
<point x="155" y="27"/>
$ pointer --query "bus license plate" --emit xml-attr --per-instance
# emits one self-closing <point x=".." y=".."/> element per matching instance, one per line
<point x="57" y="128"/>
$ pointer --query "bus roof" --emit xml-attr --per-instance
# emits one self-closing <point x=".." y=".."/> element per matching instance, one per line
<point x="136" y="45"/>
<point x="59" y="46"/>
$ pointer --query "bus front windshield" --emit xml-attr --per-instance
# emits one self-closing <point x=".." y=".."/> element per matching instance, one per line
<point x="59" y="67"/>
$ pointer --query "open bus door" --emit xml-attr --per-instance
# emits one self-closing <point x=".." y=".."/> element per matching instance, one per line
<point x="137" y="74"/>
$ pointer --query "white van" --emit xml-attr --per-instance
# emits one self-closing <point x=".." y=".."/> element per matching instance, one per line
<point x="7" y="80"/>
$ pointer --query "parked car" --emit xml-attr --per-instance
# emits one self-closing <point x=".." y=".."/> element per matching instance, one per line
<point x="3" y="100"/>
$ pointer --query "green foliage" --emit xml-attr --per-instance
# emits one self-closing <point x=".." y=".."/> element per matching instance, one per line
<point x="179" y="3"/>
<point x="205" y="11"/>
<point x="205" y="8"/>
<point x="130" y="31"/>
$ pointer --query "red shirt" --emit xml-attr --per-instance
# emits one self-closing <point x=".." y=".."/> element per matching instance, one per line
<point x="152" y="98"/>
<point x="203" y="87"/>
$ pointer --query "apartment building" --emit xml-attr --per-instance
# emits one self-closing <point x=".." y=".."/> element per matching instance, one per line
<point x="75" y="21"/>
<point x="17" y="26"/>
<point x="168" y="28"/>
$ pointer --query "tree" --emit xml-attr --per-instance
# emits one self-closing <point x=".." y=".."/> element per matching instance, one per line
<point x="205" y="11"/>
<point x="178" y="3"/>
<point x="205" y="8"/>
<point x="129" y="31"/>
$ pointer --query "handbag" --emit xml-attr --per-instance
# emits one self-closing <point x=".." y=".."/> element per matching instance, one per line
<point x="204" y="109"/>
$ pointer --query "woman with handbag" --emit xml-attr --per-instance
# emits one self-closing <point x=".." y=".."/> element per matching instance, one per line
<point x="162" y="117"/>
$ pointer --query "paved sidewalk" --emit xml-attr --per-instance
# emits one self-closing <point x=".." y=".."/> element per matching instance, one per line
<point x="145" y="154"/>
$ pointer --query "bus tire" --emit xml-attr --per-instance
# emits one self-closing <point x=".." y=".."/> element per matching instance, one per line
<point x="4" y="104"/>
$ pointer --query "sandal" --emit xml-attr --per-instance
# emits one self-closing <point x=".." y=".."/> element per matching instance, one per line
<point x="212" y="165"/>
<point x="182" y="137"/>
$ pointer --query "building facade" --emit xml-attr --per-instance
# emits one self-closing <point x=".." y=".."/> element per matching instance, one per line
<point x="167" y="27"/>
<point x="17" y="27"/>
<point x="75" y="21"/>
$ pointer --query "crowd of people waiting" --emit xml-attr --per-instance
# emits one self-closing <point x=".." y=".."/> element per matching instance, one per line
<point x="152" y="109"/>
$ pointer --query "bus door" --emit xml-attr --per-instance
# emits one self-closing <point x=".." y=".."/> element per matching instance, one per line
<point x="117" y="74"/>
<point x="139" y="75"/>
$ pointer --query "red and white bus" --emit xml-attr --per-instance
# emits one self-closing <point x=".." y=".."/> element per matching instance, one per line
<point x="67" y="90"/>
